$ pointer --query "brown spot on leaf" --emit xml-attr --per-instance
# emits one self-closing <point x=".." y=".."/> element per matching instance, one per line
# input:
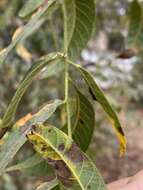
<point x="50" y="130"/>
<point x="61" y="147"/>
<point x="66" y="182"/>
<point x="81" y="121"/>
<point x="92" y="94"/>
<point x="3" y="131"/>
<point x="60" y="168"/>
<point x="88" y="187"/>
<point x="75" y="154"/>
<point x="121" y="131"/>
<point x="43" y="149"/>
<point x="33" y="127"/>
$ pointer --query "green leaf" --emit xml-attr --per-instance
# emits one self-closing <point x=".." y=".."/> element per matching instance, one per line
<point x="30" y="6"/>
<point x="135" y="35"/>
<point x="42" y="115"/>
<point x="16" y="139"/>
<point x="79" y="18"/>
<point x="35" y="22"/>
<point x="80" y="167"/>
<point x="40" y="170"/>
<point x="101" y="98"/>
<point x="30" y="162"/>
<point x="48" y="185"/>
<point x="10" y="147"/>
<point x="85" y="117"/>
<point x="53" y="69"/>
<point x="29" y="77"/>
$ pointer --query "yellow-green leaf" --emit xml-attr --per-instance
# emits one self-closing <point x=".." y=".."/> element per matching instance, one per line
<point x="82" y="169"/>
<point x="17" y="137"/>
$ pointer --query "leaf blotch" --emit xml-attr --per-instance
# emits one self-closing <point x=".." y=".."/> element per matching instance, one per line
<point x="74" y="154"/>
<point x="61" y="147"/>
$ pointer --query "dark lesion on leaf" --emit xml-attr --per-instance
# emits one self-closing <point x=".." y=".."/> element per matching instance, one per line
<point x="49" y="130"/>
<point x="92" y="94"/>
<point x="62" y="172"/>
<point x="81" y="121"/>
<point x="121" y="131"/>
<point x="3" y="131"/>
<point x="44" y="148"/>
<point x="75" y="154"/>
<point x="61" y="147"/>
<point x="88" y="187"/>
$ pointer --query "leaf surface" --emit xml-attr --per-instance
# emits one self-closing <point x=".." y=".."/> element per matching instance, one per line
<point x="83" y="130"/>
<point x="48" y="185"/>
<point x="29" y="7"/>
<point x="135" y="35"/>
<point x="10" y="147"/>
<point x="17" y="138"/>
<point x="29" y="77"/>
<point x="101" y="98"/>
<point x="35" y="22"/>
<point x="81" y="167"/>
<point x="79" y="18"/>
<point x="30" y="162"/>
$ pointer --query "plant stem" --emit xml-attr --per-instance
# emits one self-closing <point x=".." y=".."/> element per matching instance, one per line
<point x="67" y="99"/>
<point x="66" y="72"/>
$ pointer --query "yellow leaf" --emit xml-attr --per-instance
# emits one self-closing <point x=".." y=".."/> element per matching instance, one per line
<point x="23" y="120"/>
<point x="20" y="49"/>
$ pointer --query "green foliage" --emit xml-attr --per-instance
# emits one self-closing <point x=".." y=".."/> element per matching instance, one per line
<point x="80" y="166"/>
<point x="35" y="22"/>
<point x="64" y="151"/>
<point x="17" y="137"/>
<point x="29" y="7"/>
<point x="79" y="19"/>
<point x="100" y="97"/>
<point x="84" y="122"/>
<point x="135" y="35"/>
<point x="29" y="163"/>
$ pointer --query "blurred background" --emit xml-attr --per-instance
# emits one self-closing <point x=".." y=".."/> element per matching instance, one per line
<point x="121" y="79"/>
